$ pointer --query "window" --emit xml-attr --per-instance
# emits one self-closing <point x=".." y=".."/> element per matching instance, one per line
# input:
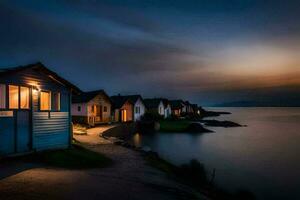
<point x="93" y="108"/>
<point x="104" y="108"/>
<point x="2" y="96"/>
<point x="78" y="108"/>
<point x="45" y="101"/>
<point x="56" y="101"/>
<point x="13" y="96"/>
<point x="137" y="109"/>
<point x="24" y="97"/>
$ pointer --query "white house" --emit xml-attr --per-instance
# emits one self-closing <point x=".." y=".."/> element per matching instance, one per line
<point x="167" y="107"/>
<point x="139" y="107"/>
<point x="155" y="105"/>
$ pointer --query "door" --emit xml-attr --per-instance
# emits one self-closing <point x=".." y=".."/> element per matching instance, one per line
<point x="7" y="141"/>
<point x="22" y="131"/>
<point x="98" y="113"/>
<point x="124" y="115"/>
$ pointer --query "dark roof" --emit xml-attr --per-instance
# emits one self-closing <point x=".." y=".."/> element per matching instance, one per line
<point x="118" y="101"/>
<point x="87" y="96"/>
<point x="165" y="102"/>
<point x="176" y="104"/>
<point x="134" y="98"/>
<point x="152" y="103"/>
<point x="187" y="103"/>
<point x="41" y="68"/>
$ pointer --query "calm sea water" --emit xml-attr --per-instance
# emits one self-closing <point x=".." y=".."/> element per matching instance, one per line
<point x="263" y="157"/>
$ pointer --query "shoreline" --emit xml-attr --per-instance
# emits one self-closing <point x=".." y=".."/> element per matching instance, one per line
<point x="175" y="172"/>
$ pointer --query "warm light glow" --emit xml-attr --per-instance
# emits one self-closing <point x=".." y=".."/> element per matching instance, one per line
<point x="124" y="115"/>
<point x="13" y="96"/>
<point x="45" y="101"/>
<point x="24" y="92"/>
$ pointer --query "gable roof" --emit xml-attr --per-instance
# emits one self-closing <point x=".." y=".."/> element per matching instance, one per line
<point x="166" y="102"/>
<point x="85" y="97"/>
<point x="176" y="104"/>
<point x="41" y="68"/>
<point x="133" y="98"/>
<point x="118" y="101"/>
<point x="152" y="103"/>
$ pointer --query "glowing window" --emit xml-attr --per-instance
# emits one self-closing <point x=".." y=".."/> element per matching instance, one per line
<point x="56" y="101"/>
<point x="45" y="101"/>
<point x="24" y="97"/>
<point x="13" y="96"/>
<point x="2" y="96"/>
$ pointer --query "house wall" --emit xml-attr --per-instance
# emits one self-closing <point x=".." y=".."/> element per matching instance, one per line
<point x="139" y="103"/>
<point x="161" y="108"/>
<point x="168" y="111"/>
<point x="129" y="109"/>
<point x="102" y="101"/>
<point x="82" y="112"/>
<point x="184" y="108"/>
<point x="39" y="129"/>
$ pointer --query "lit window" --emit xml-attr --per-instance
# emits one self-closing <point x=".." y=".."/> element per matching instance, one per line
<point x="24" y="103"/>
<point x="2" y="96"/>
<point x="56" y="101"/>
<point x="45" y="101"/>
<point x="13" y="96"/>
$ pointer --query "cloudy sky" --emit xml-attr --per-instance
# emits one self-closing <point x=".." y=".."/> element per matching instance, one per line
<point x="206" y="51"/>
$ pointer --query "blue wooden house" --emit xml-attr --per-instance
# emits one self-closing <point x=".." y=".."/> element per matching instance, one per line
<point x="35" y="106"/>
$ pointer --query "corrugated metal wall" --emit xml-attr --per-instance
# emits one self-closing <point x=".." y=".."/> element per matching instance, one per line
<point x="50" y="130"/>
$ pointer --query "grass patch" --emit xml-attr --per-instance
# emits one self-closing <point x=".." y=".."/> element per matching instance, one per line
<point x="195" y="175"/>
<point x="75" y="157"/>
<point x="174" y="126"/>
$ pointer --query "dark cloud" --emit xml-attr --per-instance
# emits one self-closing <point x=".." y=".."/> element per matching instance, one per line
<point x="160" y="48"/>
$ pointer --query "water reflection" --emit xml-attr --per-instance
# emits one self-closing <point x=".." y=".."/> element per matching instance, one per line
<point x="262" y="157"/>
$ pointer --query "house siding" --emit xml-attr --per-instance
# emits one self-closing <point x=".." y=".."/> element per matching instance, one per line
<point x="168" y="111"/>
<point x="140" y="104"/>
<point x="161" y="108"/>
<point x="32" y="129"/>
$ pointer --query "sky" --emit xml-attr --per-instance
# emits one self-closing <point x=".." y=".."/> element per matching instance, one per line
<point x="205" y="51"/>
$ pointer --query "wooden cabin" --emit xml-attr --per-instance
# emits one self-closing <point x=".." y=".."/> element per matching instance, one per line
<point x="35" y="106"/>
<point x="155" y="105"/>
<point x="139" y="107"/>
<point x="122" y="109"/>
<point x="177" y="107"/>
<point x="91" y="108"/>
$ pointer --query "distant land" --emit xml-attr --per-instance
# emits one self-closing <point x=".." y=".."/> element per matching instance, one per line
<point x="259" y="104"/>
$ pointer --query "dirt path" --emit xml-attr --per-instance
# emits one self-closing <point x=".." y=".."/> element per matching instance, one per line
<point x="128" y="179"/>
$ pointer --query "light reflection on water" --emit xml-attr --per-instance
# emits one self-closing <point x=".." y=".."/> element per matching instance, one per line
<point x="262" y="157"/>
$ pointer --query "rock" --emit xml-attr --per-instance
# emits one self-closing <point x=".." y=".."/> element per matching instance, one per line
<point x="197" y="128"/>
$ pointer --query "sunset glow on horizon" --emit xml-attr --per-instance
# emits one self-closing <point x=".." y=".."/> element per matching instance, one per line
<point x="196" y="49"/>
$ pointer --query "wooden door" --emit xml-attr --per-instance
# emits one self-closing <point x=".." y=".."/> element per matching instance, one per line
<point x="124" y="115"/>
